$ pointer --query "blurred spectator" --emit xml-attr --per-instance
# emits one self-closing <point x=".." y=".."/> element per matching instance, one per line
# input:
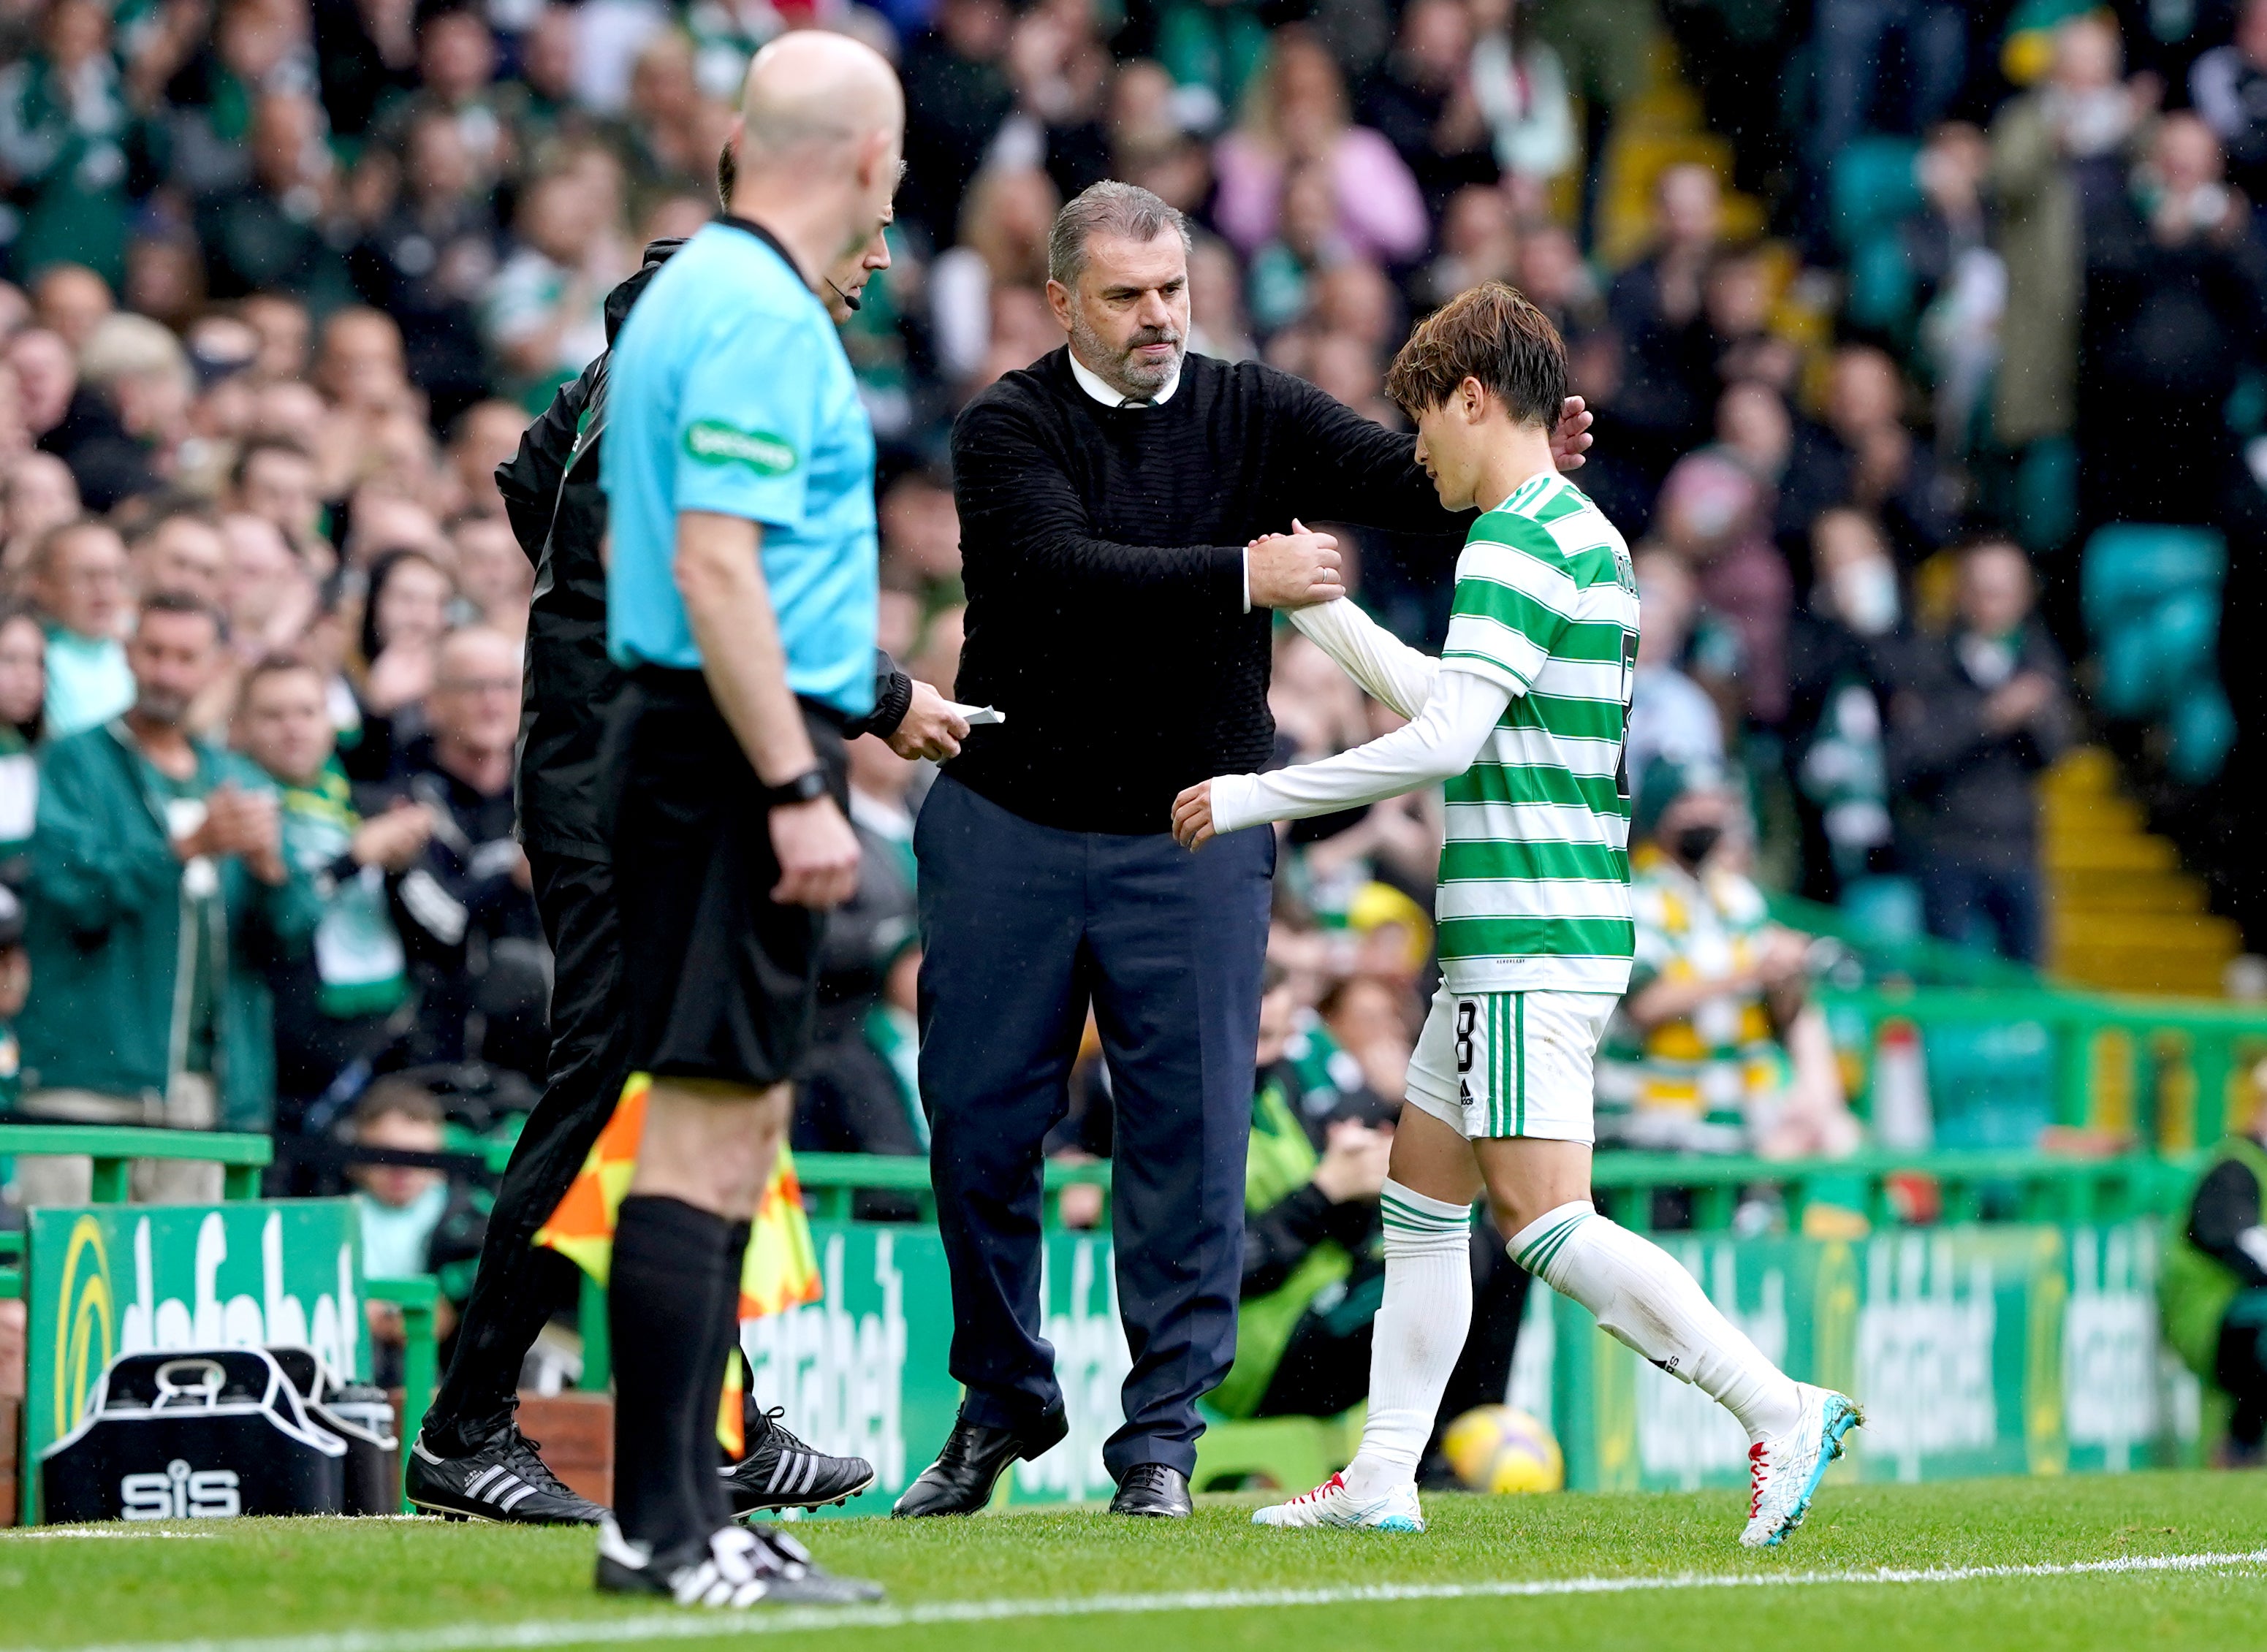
<point x="1478" y="244"/>
<point x="1985" y="710"/>
<point x="15" y="992"/>
<point x="1846" y="652"/>
<point x="1667" y="385"/>
<point x="2228" y="86"/>
<point x="456" y="71"/>
<point x="1863" y="454"/>
<point x="1711" y="515"/>
<point x="1060" y="74"/>
<point x="180" y="551"/>
<point x="63" y="129"/>
<point x="140" y="369"/>
<point x="404" y="615"/>
<point x="37" y="493"/>
<point x="1295" y="115"/>
<point x="2175" y="304"/>
<point x="1425" y="102"/>
<point x="542" y="315"/>
<point x="77" y="574"/>
<point x="495" y="577"/>
<point x="414" y="1220"/>
<point x="2058" y="156"/>
<point x="266" y="593"/>
<point x="1851" y="39"/>
<point x="485" y="435"/>
<point x="154" y="852"/>
<point x="23" y="729"/>
<point x="1671" y="716"/>
<point x="1716" y="1049"/>
<point x="74" y="421"/>
<point x="335" y="997"/>
<point x="1003" y="243"/>
<point x="957" y="95"/>
<point x="272" y="230"/>
<point x="70" y="301"/>
<point x="1306" y="242"/>
<point x="366" y="53"/>
<point x="427" y="260"/>
<point x="1960" y="285"/>
<point x="465" y="911"/>
<point x="275" y="479"/>
<point x="1218" y="324"/>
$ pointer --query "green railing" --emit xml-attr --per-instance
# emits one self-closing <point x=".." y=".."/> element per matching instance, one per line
<point x="114" y="1147"/>
<point x="2169" y="1075"/>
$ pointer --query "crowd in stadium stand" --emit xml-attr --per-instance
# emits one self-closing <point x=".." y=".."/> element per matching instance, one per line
<point x="1884" y="307"/>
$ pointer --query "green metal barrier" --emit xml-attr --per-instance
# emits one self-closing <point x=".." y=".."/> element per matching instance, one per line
<point x="114" y="1147"/>
<point x="415" y="1296"/>
<point x="2170" y="1074"/>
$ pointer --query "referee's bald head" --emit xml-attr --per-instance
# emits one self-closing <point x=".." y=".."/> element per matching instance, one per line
<point x="813" y="98"/>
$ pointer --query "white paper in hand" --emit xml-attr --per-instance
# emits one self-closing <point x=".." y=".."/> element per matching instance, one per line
<point x="975" y="716"/>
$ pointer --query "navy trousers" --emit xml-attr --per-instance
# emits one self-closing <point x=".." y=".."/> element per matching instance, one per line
<point x="1022" y="928"/>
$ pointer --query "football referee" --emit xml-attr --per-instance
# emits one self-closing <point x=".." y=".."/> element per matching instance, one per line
<point x="739" y="468"/>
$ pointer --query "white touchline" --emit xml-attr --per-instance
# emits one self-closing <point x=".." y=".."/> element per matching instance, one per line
<point x="697" y="1625"/>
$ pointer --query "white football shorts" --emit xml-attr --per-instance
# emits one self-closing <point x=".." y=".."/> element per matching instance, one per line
<point x="1510" y="1064"/>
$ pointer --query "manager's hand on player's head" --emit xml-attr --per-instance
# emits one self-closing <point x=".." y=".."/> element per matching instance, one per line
<point x="1571" y="437"/>
<point x="931" y="727"/>
<point x="1293" y="570"/>
<point x="818" y="854"/>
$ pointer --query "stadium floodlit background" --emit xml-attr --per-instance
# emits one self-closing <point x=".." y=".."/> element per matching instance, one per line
<point x="1928" y="348"/>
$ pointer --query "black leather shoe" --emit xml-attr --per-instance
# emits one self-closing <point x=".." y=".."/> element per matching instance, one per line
<point x="974" y="1457"/>
<point x="1153" y="1490"/>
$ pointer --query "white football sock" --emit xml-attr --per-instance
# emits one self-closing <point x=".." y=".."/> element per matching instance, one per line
<point x="1640" y="1295"/>
<point x="1418" y="1335"/>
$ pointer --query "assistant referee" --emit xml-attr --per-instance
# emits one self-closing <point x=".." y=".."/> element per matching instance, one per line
<point x="739" y="468"/>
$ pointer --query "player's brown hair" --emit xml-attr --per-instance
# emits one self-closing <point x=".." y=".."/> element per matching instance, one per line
<point x="1490" y="332"/>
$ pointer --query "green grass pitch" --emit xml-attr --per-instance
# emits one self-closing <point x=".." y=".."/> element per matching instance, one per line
<point x="1657" y="1572"/>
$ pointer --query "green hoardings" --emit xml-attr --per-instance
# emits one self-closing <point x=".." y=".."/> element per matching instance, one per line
<point x="104" y="1280"/>
<point x="1977" y="1350"/>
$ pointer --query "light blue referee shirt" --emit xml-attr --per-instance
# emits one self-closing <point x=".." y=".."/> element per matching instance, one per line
<point x="729" y="391"/>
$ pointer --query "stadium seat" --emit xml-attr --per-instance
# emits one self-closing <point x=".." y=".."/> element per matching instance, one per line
<point x="1875" y="185"/>
<point x="2151" y="596"/>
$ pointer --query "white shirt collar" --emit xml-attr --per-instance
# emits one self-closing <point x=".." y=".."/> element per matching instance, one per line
<point x="1095" y="385"/>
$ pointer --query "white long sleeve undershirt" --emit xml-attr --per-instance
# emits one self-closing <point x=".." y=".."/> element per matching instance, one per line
<point x="1452" y="712"/>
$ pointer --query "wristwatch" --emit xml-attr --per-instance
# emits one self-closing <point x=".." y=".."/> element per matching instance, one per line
<point x="806" y="787"/>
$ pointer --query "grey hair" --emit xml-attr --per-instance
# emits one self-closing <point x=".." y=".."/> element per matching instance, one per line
<point x="1109" y="207"/>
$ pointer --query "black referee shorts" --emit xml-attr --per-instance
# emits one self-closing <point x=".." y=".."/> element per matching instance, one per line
<point x="718" y="981"/>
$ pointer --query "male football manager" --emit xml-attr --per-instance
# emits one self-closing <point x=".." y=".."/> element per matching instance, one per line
<point x="1123" y="507"/>
<point x="738" y="469"/>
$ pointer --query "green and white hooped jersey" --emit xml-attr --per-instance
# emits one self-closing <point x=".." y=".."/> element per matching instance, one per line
<point x="1534" y="880"/>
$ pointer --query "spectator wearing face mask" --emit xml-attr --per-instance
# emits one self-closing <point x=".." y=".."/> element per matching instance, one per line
<point x="1986" y="708"/>
<point x="1845" y="651"/>
<point x="1716" y="1049"/>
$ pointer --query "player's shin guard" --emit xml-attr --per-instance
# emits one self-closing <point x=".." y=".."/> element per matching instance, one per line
<point x="1642" y="1297"/>
<point x="1419" y="1334"/>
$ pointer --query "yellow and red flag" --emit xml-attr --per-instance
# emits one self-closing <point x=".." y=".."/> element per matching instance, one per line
<point x="782" y="1267"/>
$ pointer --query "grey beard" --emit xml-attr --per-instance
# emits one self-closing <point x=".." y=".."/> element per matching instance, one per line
<point x="1133" y="378"/>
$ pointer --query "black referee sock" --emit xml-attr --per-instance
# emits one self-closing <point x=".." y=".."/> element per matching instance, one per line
<point x="723" y="1350"/>
<point x="662" y="1313"/>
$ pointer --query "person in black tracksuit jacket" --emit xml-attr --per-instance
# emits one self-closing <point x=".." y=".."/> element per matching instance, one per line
<point x="551" y="492"/>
